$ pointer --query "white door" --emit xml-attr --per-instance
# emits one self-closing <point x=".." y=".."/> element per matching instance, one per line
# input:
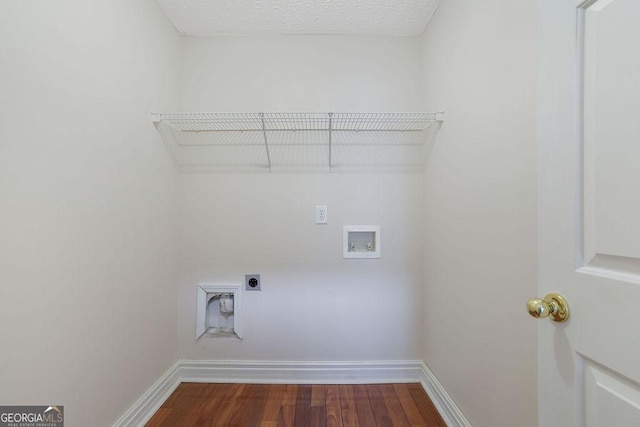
<point x="589" y="211"/>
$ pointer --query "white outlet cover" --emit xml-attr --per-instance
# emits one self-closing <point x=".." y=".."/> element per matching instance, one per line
<point x="321" y="214"/>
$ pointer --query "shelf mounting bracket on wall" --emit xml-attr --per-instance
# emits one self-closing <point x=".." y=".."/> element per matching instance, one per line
<point x="266" y="145"/>
<point x="330" y="132"/>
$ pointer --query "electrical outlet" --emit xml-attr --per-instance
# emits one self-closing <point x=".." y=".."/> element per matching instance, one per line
<point x="321" y="214"/>
<point x="252" y="282"/>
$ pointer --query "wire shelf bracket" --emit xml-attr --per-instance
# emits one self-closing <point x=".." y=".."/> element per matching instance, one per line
<point x="266" y="145"/>
<point x="330" y="128"/>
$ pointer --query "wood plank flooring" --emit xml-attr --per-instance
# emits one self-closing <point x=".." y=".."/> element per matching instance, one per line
<point x="291" y="405"/>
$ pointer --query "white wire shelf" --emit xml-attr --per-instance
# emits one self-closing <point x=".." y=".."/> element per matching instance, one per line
<point x="292" y="141"/>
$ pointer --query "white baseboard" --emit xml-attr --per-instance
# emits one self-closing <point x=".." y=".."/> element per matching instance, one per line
<point x="441" y="399"/>
<point x="225" y="371"/>
<point x="301" y="372"/>
<point x="152" y="399"/>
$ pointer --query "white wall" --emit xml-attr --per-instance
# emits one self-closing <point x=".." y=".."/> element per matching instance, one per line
<point x="480" y="251"/>
<point x="314" y="305"/>
<point x="87" y="195"/>
<point x="301" y="73"/>
<point x="87" y="205"/>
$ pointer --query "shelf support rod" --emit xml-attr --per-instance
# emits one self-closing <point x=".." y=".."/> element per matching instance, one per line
<point x="330" y="132"/>
<point x="264" y="134"/>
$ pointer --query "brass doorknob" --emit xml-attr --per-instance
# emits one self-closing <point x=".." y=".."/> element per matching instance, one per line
<point x="553" y="305"/>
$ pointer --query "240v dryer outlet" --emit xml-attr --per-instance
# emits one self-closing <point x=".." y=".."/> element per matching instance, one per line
<point x="252" y="282"/>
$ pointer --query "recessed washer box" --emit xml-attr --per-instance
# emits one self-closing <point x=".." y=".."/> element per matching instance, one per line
<point x="361" y="241"/>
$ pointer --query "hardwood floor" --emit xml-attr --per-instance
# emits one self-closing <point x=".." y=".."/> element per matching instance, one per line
<point x="265" y="405"/>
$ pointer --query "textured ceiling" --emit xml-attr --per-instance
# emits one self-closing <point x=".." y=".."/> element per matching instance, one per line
<point x="354" y="17"/>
